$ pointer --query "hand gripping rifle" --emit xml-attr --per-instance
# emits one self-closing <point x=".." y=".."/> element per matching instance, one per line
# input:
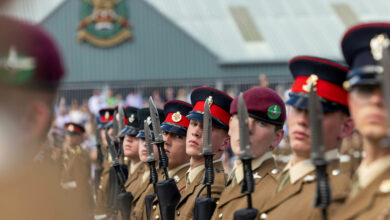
<point x="100" y="158"/>
<point x="380" y="50"/>
<point x="151" y="159"/>
<point x="204" y="207"/>
<point x="323" y="191"/>
<point x="118" y="198"/>
<point x="167" y="192"/>
<point x="247" y="185"/>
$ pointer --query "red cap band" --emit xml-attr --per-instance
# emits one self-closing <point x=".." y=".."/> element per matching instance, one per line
<point x="325" y="90"/>
<point x="104" y="119"/>
<point x="73" y="128"/>
<point x="215" y="111"/>
<point x="171" y="118"/>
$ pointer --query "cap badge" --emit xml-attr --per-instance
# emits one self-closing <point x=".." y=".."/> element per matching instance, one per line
<point x="385" y="186"/>
<point x="377" y="44"/>
<point x="210" y="99"/>
<point x="71" y="128"/>
<point x="131" y="118"/>
<point x="149" y="120"/>
<point x="17" y="68"/>
<point x="106" y="115"/>
<point x="274" y="112"/>
<point x="311" y="81"/>
<point x="176" y="117"/>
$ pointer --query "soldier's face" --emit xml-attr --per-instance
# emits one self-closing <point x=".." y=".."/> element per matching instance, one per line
<point x="335" y="126"/>
<point x="74" y="139"/>
<point x="263" y="136"/>
<point x="142" y="153"/>
<point x="368" y="111"/>
<point x="175" y="146"/>
<point x="194" y="142"/>
<point x="130" y="147"/>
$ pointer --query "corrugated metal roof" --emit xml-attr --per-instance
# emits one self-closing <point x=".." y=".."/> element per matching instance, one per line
<point x="289" y="27"/>
<point x="34" y="11"/>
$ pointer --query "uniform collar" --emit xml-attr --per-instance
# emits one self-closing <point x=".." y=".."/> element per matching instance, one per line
<point x="256" y="163"/>
<point x="176" y="169"/>
<point x="368" y="173"/>
<point x="145" y="176"/>
<point x="192" y="173"/>
<point x="134" y="167"/>
<point x="302" y="168"/>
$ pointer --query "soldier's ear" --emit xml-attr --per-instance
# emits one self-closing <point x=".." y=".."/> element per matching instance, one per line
<point x="279" y="134"/>
<point x="225" y="143"/>
<point x="347" y="127"/>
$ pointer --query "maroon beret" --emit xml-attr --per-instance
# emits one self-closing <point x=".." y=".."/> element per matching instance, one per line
<point x="263" y="104"/>
<point x="28" y="56"/>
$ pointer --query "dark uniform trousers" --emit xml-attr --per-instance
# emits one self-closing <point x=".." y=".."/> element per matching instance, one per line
<point x="372" y="202"/>
<point x="180" y="179"/>
<point x="102" y="192"/>
<point x="232" y="199"/>
<point x="185" y="208"/>
<point x="295" y="201"/>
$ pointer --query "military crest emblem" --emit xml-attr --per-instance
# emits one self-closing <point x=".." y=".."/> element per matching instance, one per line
<point x="311" y="81"/>
<point x="176" y="117"/>
<point x="16" y="68"/>
<point x="103" y="22"/>
<point x="131" y="118"/>
<point x="274" y="112"/>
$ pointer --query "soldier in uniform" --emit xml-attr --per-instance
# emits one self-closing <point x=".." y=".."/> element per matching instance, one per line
<point x="266" y="131"/>
<point x="140" y="187"/>
<point x="106" y="122"/>
<point x="174" y="130"/>
<point x="219" y="109"/>
<point x="30" y="74"/>
<point x="296" y="186"/>
<point x="369" y="197"/>
<point x="76" y="173"/>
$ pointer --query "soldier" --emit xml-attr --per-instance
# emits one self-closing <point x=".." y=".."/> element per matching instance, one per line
<point x="219" y="108"/>
<point x="106" y="122"/>
<point x="369" y="197"/>
<point x="140" y="187"/>
<point x="30" y="74"/>
<point x="296" y="185"/>
<point x="266" y="132"/>
<point x="76" y="172"/>
<point x="174" y="130"/>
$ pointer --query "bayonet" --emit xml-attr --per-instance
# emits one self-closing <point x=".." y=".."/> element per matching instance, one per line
<point x="121" y="120"/>
<point x="158" y="138"/>
<point x="243" y="120"/>
<point x="380" y="50"/>
<point x="323" y="192"/>
<point x="207" y="128"/>
<point x="148" y="142"/>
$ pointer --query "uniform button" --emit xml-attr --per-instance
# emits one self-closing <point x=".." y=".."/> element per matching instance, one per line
<point x="100" y="187"/>
<point x="178" y="213"/>
<point x="133" y="213"/>
<point x="220" y="215"/>
<point x="154" y="207"/>
<point x="156" y="217"/>
<point x="263" y="216"/>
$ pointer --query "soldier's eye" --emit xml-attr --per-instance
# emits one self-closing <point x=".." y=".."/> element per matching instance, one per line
<point x="365" y="89"/>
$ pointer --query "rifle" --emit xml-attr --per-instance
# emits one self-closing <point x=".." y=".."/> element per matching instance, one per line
<point x="167" y="192"/>
<point x="151" y="159"/>
<point x="323" y="191"/>
<point x="100" y="158"/>
<point x="247" y="185"/>
<point x="204" y="207"/>
<point x="118" y="197"/>
<point x="380" y="51"/>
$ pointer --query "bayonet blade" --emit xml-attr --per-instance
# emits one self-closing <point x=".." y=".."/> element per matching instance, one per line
<point x="243" y="121"/>
<point x="115" y="122"/>
<point x="207" y="128"/>
<point x="121" y="121"/>
<point x="155" y="121"/>
<point x="315" y="118"/>
<point x="97" y="133"/>
<point x="385" y="63"/>
<point x="148" y="143"/>
<point x="111" y="147"/>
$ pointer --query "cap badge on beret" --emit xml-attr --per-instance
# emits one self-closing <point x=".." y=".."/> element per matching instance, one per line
<point x="131" y="118"/>
<point x="71" y="128"/>
<point x="18" y="68"/>
<point x="210" y="99"/>
<point x="377" y="44"/>
<point x="176" y="117"/>
<point x="311" y="81"/>
<point x="107" y="115"/>
<point x="274" y="112"/>
<point x="149" y="120"/>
